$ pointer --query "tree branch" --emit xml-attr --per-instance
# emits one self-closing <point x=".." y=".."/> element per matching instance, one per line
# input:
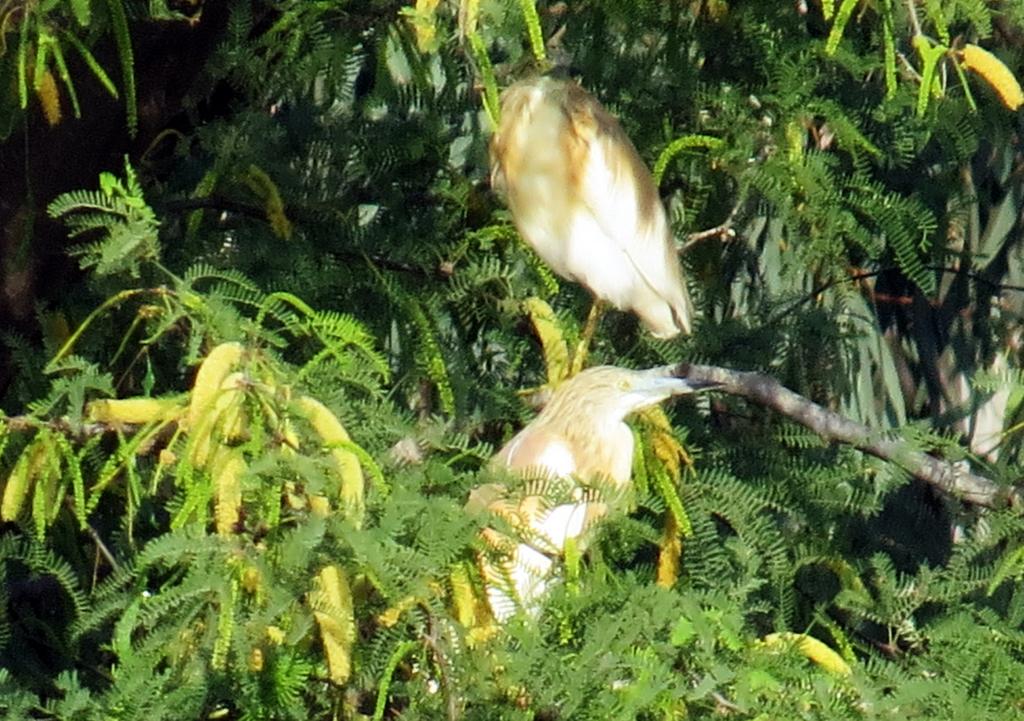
<point x="722" y="230"/>
<point x="433" y="640"/>
<point x="946" y="476"/>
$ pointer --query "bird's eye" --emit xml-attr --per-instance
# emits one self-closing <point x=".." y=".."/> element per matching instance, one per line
<point x="623" y="385"/>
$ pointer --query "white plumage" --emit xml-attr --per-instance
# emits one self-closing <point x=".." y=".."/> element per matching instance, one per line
<point x="583" y="199"/>
<point x="577" y="443"/>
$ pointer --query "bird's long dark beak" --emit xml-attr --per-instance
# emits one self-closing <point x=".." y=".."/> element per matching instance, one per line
<point x="672" y="375"/>
<point x="696" y="386"/>
<point x="681" y="371"/>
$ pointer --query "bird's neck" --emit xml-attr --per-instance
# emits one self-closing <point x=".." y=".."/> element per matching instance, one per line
<point x="602" y="442"/>
<point x="580" y="419"/>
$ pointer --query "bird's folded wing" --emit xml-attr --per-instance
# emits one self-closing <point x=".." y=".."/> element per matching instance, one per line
<point x="617" y="188"/>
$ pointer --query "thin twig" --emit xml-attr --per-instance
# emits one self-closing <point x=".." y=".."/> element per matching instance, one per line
<point x="102" y="547"/>
<point x="255" y="212"/>
<point x="433" y="641"/>
<point x="944" y="475"/>
<point x="95" y="536"/>
<point x="855" y="277"/>
<point x="724" y="703"/>
<point x="215" y="203"/>
<point x="63" y="425"/>
<point x="909" y="67"/>
<point x="723" y="229"/>
<point x="821" y="288"/>
<point x="912" y="14"/>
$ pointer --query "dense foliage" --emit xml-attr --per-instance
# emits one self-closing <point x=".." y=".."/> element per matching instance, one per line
<point x="325" y="323"/>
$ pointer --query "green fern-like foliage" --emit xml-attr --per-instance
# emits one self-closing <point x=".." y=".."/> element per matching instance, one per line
<point x="332" y="218"/>
<point x="118" y="212"/>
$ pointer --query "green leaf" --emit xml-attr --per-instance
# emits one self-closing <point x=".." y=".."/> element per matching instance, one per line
<point x="889" y="50"/>
<point x="683" y="632"/>
<point x="91" y="63"/>
<point x="930" y="56"/>
<point x="835" y="35"/>
<point x="533" y="29"/>
<point x="82" y="10"/>
<point x="122" y="38"/>
<point x="492" y="106"/>
<point x="65" y="76"/>
<point x="679" y="145"/>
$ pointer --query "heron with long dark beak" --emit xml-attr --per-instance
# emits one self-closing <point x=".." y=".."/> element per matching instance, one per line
<point x="581" y="197"/>
<point x="577" y="454"/>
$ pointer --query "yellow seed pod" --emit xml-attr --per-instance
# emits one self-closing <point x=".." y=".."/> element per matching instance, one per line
<point x="209" y="378"/>
<point x="202" y="445"/>
<point x="273" y="206"/>
<point x="134" y="411"/>
<point x="552" y="340"/>
<point x="992" y="69"/>
<point x="227" y="469"/>
<point x="667" y="450"/>
<point x="670" y="550"/>
<point x="222" y="421"/>
<point x="663" y="441"/>
<point x="230" y="408"/>
<point x="18" y="484"/>
<point x="810" y="647"/>
<point x="49" y="98"/>
<point x="319" y="506"/>
<point x="463" y="597"/>
<point x="346" y="464"/>
<point x="332" y="603"/>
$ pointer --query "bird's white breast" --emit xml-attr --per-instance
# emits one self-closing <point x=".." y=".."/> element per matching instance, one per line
<point x="621" y="460"/>
<point x="560" y="524"/>
<point x="557" y="458"/>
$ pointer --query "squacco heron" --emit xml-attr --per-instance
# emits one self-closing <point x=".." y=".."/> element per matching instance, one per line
<point x="578" y="440"/>
<point x="583" y="199"/>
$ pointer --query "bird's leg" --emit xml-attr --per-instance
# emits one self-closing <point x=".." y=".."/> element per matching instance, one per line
<point x="579" y="357"/>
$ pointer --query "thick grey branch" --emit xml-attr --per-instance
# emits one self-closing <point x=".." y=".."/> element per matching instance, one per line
<point x="768" y="392"/>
